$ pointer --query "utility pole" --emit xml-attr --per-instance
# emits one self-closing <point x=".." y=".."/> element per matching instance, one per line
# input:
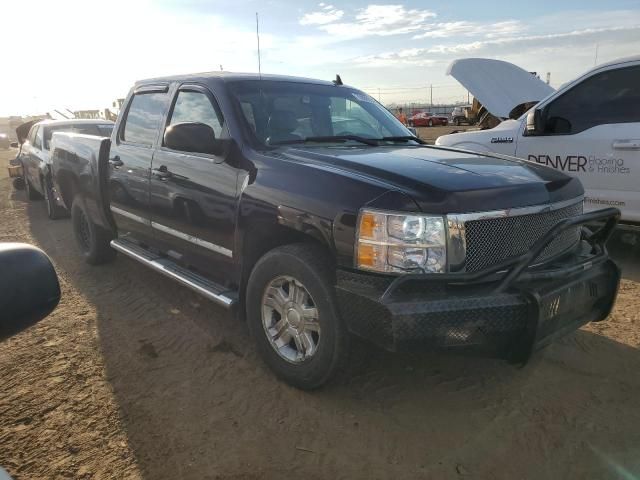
<point x="468" y="98"/>
<point x="431" y="94"/>
<point x="379" y="95"/>
<point x="595" y="60"/>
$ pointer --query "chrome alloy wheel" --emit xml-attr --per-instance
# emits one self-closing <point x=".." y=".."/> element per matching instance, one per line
<point x="290" y="319"/>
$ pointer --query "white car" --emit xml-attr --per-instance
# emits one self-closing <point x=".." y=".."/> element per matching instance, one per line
<point x="589" y="128"/>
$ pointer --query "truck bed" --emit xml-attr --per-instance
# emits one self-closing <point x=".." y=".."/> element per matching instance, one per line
<point x="79" y="165"/>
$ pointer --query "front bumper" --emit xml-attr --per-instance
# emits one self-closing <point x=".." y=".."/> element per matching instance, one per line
<point x="508" y="310"/>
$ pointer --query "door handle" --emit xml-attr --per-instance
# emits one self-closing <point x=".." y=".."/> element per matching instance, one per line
<point x="626" y="144"/>
<point x="161" y="172"/>
<point x="115" y="162"/>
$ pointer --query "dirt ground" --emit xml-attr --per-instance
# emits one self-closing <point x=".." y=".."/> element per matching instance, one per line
<point x="135" y="377"/>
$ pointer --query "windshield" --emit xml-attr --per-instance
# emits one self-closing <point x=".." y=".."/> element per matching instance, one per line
<point x="292" y="112"/>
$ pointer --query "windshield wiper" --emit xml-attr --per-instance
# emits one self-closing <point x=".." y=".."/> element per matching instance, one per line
<point x="403" y="138"/>
<point x="327" y="139"/>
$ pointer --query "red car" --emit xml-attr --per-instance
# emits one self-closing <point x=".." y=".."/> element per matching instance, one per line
<point x="427" y="119"/>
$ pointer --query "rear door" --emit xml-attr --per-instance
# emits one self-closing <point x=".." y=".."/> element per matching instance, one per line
<point x="193" y="194"/>
<point x="130" y="161"/>
<point x="592" y="131"/>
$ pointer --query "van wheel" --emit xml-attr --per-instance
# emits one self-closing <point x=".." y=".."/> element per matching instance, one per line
<point x="293" y="316"/>
<point x="54" y="211"/>
<point x="92" y="239"/>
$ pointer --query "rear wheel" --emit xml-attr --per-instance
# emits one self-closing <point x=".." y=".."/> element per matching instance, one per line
<point x="54" y="211"/>
<point x="293" y="316"/>
<point x="430" y="123"/>
<point x="456" y="122"/>
<point x="92" y="239"/>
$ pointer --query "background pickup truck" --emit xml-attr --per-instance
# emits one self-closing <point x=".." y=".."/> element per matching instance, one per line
<point x="589" y="129"/>
<point x="308" y="206"/>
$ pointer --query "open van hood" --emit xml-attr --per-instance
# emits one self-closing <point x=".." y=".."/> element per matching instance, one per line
<point x="499" y="86"/>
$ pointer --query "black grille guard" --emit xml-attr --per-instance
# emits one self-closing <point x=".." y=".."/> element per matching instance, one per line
<point x="519" y="268"/>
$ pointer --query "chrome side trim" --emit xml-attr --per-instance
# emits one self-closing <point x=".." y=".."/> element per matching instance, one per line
<point x="191" y="239"/>
<point x="165" y="268"/>
<point x="130" y="216"/>
<point x="456" y="239"/>
<point x="176" y="233"/>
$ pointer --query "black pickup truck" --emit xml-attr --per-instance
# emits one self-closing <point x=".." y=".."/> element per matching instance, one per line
<point x="308" y="206"/>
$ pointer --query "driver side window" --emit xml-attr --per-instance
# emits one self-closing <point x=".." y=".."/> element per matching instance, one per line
<point x="606" y="98"/>
<point x="196" y="107"/>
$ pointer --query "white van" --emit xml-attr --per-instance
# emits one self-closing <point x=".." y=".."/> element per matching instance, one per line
<point x="589" y="128"/>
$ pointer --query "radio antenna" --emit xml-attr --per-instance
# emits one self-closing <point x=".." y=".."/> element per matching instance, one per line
<point x="258" y="38"/>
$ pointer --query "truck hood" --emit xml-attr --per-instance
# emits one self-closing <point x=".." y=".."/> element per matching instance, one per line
<point x="481" y="138"/>
<point x="443" y="180"/>
<point x="499" y="86"/>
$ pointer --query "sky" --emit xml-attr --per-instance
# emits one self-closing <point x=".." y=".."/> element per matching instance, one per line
<point x="83" y="54"/>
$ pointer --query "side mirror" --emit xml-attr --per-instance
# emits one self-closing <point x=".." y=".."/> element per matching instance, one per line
<point x="29" y="288"/>
<point x="193" y="137"/>
<point x="534" y="124"/>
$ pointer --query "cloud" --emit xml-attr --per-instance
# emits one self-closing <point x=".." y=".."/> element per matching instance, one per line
<point x="327" y="14"/>
<point x="469" y="29"/>
<point x="373" y="20"/>
<point x="620" y="35"/>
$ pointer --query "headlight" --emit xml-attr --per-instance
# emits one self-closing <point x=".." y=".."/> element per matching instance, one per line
<point x="390" y="242"/>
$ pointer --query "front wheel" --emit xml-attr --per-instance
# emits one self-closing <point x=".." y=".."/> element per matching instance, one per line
<point x="293" y="316"/>
<point x="92" y="239"/>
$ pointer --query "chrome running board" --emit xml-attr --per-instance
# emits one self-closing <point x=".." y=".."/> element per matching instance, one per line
<point x="198" y="283"/>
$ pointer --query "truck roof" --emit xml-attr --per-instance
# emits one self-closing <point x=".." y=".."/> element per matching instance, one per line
<point x="231" y="77"/>
<point x="633" y="58"/>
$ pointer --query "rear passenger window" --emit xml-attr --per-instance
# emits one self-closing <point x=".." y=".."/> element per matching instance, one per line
<point x="143" y="118"/>
<point x="36" y="139"/>
<point x="196" y="107"/>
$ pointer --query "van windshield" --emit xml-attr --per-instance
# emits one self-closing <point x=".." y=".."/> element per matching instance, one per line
<point x="279" y="113"/>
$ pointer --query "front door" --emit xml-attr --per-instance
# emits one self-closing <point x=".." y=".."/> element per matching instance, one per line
<point x="592" y="131"/>
<point x="130" y="163"/>
<point x="193" y="195"/>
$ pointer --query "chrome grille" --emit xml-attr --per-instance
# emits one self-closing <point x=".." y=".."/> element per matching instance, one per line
<point x="491" y="240"/>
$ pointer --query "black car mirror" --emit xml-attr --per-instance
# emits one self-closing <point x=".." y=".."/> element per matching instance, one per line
<point x="193" y="137"/>
<point x="29" y="288"/>
<point x="534" y="125"/>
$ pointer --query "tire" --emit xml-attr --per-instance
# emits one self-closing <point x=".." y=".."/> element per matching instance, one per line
<point x="92" y="239"/>
<point x="430" y="123"/>
<point x="54" y="211"/>
<point x="307" y="266"/>
<point x="18" y="183"/>
<point x="31" y="193"/>
<point x="456" y="122"/>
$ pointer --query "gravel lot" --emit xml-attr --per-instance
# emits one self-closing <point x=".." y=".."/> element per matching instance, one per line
<point x="135" y="377"/>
